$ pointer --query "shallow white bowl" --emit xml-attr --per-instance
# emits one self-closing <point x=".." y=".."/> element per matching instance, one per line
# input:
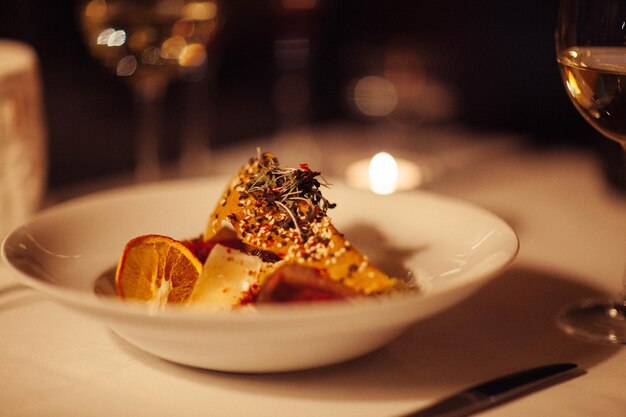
<point x="450" y="247"/>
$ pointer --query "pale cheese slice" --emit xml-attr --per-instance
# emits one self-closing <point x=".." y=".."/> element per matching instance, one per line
<point x="226" y="276"/>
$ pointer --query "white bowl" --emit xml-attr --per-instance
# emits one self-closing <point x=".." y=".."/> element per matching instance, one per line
<point x="450" y="247"/>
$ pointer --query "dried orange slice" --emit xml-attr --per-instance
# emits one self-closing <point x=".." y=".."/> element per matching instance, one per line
<point x="156" y="269"/>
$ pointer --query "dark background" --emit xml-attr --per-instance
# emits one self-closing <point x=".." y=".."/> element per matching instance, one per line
<point x="497" y="56"/>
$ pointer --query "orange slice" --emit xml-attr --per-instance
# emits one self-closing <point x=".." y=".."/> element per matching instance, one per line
<point x="157" y="269"/>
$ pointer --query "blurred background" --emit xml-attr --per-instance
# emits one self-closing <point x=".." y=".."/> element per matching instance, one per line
<point x="274" y="65"/>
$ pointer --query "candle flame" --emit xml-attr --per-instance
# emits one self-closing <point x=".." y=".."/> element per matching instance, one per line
<point x="383" y="173"/>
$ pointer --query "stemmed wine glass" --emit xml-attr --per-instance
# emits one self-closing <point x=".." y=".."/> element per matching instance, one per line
<point x="148" y="43"/>
<point x="591" y="53"/>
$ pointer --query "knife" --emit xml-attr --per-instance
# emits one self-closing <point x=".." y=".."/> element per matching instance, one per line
<point x="499" y="390"/>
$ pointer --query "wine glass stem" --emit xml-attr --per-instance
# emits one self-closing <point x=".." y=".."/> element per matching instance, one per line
<point x="623" y="299"/>
<point x="148" y="111"/>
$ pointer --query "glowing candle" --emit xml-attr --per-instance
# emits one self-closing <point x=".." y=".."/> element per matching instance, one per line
<point x="383" y="174"/>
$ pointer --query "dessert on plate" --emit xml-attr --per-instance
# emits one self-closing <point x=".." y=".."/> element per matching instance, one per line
<point x="269" y="239"/>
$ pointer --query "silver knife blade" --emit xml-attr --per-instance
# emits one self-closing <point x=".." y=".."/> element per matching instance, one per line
<point x="499" y="390"/>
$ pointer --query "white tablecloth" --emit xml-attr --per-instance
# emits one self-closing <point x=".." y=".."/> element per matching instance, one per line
<point x="55" y="362"/>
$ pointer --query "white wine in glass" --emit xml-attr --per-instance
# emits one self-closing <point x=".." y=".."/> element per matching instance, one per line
<point x="591" y="53"/>
<point x="148" y="43"/>
<point x="595" y="79"/>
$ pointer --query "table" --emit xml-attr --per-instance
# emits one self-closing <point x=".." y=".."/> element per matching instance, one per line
<point x="55" y="362"/>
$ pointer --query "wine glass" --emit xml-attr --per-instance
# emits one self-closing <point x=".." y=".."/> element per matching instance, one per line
<point x="591" y="53"/>
<point x="148" y="43"/>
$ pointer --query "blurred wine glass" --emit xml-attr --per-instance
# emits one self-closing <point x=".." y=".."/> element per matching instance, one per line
<point x="590" y="51"/>
<point x="149" y="43"/>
